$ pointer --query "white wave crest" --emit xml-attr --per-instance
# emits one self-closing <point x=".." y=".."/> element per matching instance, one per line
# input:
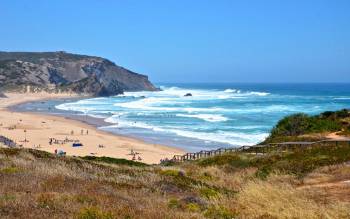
<point x="232" y="138"/>
<point x="232" y="91"/>
<point x="205" y="117"/>
<point x="259" y="93"/>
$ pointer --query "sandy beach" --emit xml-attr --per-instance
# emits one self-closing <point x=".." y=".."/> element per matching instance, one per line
<point x="38" y="129"/>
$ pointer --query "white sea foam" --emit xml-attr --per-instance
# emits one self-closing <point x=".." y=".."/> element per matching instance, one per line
<point x="221" y="136"/>
<point x="205" y="117"/>
<point x="197" y="94"/>
<point x="120" y="123"/>
<point x="155" y="104"/>
<point x="259" y="93"/>
<point x="230" y="91"/>
<point x="341" y="98"/>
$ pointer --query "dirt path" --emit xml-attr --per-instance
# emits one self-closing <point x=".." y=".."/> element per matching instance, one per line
<point x="335" y="136"/>
<point x="326" y="184"/>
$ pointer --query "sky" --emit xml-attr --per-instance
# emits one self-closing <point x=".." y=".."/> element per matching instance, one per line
<point x="268" y="41"/>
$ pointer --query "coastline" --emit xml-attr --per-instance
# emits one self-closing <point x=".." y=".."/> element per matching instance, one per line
<point x="40" y="127"/>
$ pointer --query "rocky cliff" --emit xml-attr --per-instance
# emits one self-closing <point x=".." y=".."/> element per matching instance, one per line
<point x="66" y="72"/>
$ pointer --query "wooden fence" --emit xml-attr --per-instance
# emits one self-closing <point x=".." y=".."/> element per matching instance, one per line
<point x="259" y="149"/>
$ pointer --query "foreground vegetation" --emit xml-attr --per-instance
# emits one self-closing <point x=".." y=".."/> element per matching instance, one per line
<point x="36" y="184"/>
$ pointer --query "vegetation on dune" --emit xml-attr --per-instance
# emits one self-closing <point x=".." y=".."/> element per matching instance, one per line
<point x="234" y="185"/>
<point x="298" y="126"/>
<point x="298" y="162"/>
<point x="111" y="160"/>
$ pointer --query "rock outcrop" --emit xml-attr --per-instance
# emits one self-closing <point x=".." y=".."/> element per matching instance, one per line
<point x="66" y="72"/>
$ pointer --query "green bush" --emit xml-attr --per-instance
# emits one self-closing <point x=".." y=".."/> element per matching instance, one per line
<point x="301" y="124"/>
<point x="219" y="212"/>
<point x="9" y="170"/>
<point x="170" y="172"/>
<point x="111" y="160"/>
<point x="174" y="203"/>
<point x="193" y="207"/>
<point x="233" y="159"/>
<point x="93" y="213"/>
<point x="208" y="193"/>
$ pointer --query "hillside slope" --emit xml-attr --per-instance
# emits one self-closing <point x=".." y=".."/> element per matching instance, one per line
<point x="302" y="184"/>
<point x="61" y="71"/>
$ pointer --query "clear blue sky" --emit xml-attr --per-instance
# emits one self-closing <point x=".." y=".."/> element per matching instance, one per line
<point x="192" y="41"/>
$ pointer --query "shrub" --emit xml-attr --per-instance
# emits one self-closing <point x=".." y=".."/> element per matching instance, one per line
<point x="301" y="124"/>
<point x="9" y="170"/>
<point x="233" y="159"/>
<point x="170" y="172"/>
<point x="111" y="160"/>
<point x="208" y="193"/>
<point x="174" y="203"/>
<point x="193" y="207"/>
<point x="219" y="212"/>
<point x="7" y="197"/>
<point x="93" y="213"/>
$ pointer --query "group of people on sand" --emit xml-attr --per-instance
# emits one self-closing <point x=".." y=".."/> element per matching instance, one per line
<point x="81" y="132"/>
<point x="134" y="154"/>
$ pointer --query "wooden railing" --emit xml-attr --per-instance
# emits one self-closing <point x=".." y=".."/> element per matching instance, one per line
<point x="257" y="149"/>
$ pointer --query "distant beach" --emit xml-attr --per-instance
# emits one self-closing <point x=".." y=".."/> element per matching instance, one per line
<point x="38" y="128"/>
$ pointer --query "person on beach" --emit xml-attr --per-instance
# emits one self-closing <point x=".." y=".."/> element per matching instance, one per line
<point x="72" y="132"/>
<point x="82" y="132"/>
<point x="87" y="132"/>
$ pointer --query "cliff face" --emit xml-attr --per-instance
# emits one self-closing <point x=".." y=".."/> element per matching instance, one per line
<point x="60" y="71"/>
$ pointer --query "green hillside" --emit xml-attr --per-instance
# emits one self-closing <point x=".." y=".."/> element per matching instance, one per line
<point x="300" y="126"/>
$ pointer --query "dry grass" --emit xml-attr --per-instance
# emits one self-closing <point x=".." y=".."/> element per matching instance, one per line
<point x="38" y="185"/>
<point x="273" y="199"/>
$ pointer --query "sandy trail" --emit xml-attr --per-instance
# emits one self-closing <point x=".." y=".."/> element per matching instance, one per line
<point x="334" y="136"/>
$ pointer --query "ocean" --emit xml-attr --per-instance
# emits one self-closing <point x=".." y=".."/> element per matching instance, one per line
<point x="216" y="115"/>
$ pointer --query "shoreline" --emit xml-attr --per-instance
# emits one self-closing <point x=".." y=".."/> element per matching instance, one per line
<point x="40" y="127"/>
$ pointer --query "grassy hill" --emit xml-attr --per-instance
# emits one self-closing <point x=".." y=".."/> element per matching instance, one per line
<point x="299" y="127"/>
<point x="36" y="184"/>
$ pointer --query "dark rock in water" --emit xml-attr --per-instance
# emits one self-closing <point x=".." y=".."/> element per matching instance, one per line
<point x="188" y="95"/>
<point x="2" y="95"/>
<point x="142" y="97"/>
<point x="66" y="72"/>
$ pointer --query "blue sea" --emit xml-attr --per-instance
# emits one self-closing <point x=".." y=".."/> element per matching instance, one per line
<point x="216" y="115"/>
